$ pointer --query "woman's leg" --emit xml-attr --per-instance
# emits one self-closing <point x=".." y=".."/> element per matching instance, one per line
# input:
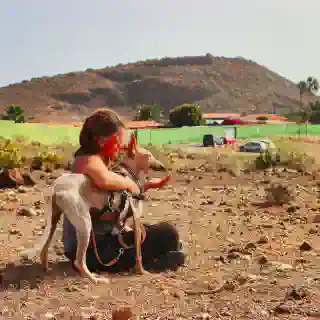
<point x="160" y="250"/>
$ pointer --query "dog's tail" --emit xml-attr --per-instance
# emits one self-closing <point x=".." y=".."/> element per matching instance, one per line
<point x="47" y="195"/>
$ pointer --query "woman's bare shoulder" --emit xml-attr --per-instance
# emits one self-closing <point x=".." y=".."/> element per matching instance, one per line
<point x="94" y="163"/>
<point x="87" y="163"/>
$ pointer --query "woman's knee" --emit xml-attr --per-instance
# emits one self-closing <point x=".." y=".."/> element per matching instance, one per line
<point x="165" y="235"/>
<point x="168" y="229"/>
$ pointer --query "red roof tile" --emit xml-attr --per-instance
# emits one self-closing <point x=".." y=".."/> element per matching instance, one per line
<point x="219" y="115"/>
<point x="142" y="124"/>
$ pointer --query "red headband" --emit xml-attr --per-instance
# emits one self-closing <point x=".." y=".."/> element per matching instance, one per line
<point x="114" y="144"/>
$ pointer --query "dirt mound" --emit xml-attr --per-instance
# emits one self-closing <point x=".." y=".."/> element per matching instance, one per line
<point x="218" y="84"/>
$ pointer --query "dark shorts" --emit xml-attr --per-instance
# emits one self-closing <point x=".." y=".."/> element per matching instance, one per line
<point x="160" y="250"/>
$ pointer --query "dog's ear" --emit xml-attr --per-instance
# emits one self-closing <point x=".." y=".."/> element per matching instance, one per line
<point x="132" y="146"/>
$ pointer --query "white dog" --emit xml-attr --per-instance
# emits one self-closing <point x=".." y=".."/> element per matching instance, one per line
<point x="73" y="195"/>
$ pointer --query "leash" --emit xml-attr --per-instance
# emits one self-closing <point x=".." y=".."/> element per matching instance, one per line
<point x="119" y="235"/>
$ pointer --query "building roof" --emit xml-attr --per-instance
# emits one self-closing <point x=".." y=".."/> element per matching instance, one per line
<point x="142" y="124"/>
<point x="267" y="115"/>
<point x="219" y="115"/>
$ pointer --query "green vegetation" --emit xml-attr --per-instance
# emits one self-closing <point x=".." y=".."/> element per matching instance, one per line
<point x="14" y="113"/>
<point x="312" y="114"/>
<point x="20" y="153"/>
<point x="186" y="115"/>
<point x="149" y="112"/>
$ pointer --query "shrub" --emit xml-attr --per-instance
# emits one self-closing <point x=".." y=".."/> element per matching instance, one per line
<point x="186" y="115"/>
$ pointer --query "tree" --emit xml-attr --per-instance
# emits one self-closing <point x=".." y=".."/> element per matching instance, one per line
<point x="262" y="118"/>
<point x="302" y="86"/>
<point x="310" y="86"/>
<point x="14" y="113"/>
<point x="149" y="112"/>
<point x="301" y="116"/>
<point x="315" y="112"/>
<point x="186" y="115"/>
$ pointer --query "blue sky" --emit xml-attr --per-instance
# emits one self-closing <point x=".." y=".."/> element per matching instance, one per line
<point x="40" y="37"/>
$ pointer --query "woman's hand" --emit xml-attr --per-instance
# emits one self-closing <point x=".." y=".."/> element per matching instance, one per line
<point x="156" y="183"/>
<point x="132" y="186"/>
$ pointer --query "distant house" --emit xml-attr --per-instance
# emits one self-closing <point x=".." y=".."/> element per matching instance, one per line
<point x="267" y="116"/>
<point x="143" y="124"/>
<point x="218" y="118"/>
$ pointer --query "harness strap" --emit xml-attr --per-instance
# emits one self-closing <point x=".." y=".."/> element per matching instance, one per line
<point x="125" y="246"/>
<point x="120" y="239"/>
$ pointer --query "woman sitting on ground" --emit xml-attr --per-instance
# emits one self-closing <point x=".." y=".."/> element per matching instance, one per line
<point x="161" y="249"/>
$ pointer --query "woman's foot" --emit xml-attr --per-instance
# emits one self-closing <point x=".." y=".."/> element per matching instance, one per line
<point x="172" y="260"/>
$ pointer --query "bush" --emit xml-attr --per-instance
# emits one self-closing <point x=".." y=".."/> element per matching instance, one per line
<point x="14" y="113"/>
<point x="262" y="118"/>
<point x="186" y="115"/>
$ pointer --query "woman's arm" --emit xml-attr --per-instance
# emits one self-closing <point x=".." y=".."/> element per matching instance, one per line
<point x="106" y="179"/>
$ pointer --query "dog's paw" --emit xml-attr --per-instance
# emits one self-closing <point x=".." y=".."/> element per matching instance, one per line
<point x="102" y="280"/>
<point x="143" y="272"/>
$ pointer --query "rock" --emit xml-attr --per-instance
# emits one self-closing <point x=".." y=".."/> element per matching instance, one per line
<point x="204" y="316"/>
<point x="287" y="307"/>
<point x="229" y="285"/>
<point x="263" y="260"/>
<point x="316" y="218"/>
<point x="305" y="246"/>
<point x="292" y="209"/>
<point x="11" y="196"/>
<point x="263" y="240"/>
<point x="233" y="255"/>
<point x="282" y="267"/>
<point x="297" y="292"/>
<point x="26" y="212"/>
<point x="122" y="314"/>
<point x="22" y="189"/>
<point x="50" y="316"/>
<point x="313" y="231"/>
<point x="250" y="246"/>
<point x="15" y="231"/>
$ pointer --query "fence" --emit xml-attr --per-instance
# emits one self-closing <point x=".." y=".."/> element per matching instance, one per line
<point x="195" y="134"/>
<point x="48" y="134"/>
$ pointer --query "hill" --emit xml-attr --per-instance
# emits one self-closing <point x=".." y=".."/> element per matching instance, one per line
<point x="218" y="84"/>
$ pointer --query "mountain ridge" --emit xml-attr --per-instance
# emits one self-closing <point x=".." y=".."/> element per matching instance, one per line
<point x="218" y="84"/>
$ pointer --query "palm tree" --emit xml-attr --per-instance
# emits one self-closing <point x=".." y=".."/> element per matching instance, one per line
<point x="302" y="86"/>
<point x="310" y="86"/>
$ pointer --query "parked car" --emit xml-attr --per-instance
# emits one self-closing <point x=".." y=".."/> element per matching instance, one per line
<point x="214" y="140"/>
<point x="269" y="144"/>
<point x="254" y="146"/>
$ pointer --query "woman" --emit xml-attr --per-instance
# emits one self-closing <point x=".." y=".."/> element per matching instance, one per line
<point x="161" y="248"/>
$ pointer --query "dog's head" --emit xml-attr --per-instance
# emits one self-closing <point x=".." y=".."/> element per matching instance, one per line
<point x="143" y="158"/>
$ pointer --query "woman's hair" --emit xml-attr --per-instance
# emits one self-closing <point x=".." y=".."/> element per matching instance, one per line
<point x="103" y="122"/>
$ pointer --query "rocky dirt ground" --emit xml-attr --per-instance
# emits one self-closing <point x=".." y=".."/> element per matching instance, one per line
<point x="265" y="255"/>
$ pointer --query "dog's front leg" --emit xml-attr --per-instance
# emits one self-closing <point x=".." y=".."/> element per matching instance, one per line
<point x="137" y="239"/>
<point x="137" y="232"/>
<point x="83" y="225"/>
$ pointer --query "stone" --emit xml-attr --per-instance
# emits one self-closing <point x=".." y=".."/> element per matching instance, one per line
<point x="122" y="314"/>
<point x="297" y="292"/>
<point x="316" y="218"/>
<point x="26" y="212"/>
<point x="287" y="307"/>
<point x="305" y="246"/>
<point x="263" y="240"/>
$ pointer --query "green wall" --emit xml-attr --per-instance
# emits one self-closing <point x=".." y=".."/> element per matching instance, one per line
<point x="176" y="135"/>
<point x="61" y="134"/>
<point x="40" y="132"/>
